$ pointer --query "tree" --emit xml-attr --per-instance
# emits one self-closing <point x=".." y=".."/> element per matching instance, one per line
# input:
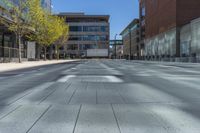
<point x="19" y="23"/>
<point x="63" y="38"/>
<point x="48" y="28"/>
<point x="31" y="20"/>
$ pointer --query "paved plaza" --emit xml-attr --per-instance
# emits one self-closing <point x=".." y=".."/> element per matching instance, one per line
<point x="101" y="96"/>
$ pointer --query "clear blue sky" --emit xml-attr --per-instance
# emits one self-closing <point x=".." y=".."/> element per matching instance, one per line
<point x="122" y="12"/>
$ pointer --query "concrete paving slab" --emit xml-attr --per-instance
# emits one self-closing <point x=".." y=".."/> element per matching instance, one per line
<point x="21" y="119"/>
<point x="72" y="90"/>
<point x="134" y="93"/>
<point x="84" y="97"/>
<point x="6" y="110"/>
<point x="133" y="118"/>
<point x="59" y="96"/>
<point x="96" y="119"/>
<point x="147" y="99"/>
<point x="6" y="100"/>
<point x="108" y="96"/>
<point x="38" y="94"/>
<point x="176" y="119"/>
<point x="58" y="119"/>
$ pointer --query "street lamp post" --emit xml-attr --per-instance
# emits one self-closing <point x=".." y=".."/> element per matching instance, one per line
<point x="116" y="46"/>
<point x="130" y="37"/>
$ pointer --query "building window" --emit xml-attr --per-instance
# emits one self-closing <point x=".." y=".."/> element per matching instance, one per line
<point x="88" y="46"/>
<point x="75" y="28"/>
<point x="72" y="47"/>
<point x="75" y="38"/>
<point x="95" y="28"/>
<point x="143" y="11"/>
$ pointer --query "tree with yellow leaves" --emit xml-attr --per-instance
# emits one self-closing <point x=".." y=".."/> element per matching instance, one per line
<point x="62" y="40"/>
<point x="31" y="20"/>
<point x="48" y="28"/>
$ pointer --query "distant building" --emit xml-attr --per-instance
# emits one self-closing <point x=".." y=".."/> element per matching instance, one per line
<point x="120" y="51"/>
<point x="142" y="26"/>
<point x="171" y="30"/>
<point x="46" y="4"/>
<point x="130" y="36"/>
<point x="86" y="32"/>
<point x="116" y="49"/>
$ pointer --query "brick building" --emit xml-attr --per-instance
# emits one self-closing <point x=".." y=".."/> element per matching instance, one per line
<point x="164" y="20"/>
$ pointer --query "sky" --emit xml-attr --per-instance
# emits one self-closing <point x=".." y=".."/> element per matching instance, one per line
<point x="121" y="12"/>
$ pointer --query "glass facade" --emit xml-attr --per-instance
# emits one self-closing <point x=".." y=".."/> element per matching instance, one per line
<point x="87" y="46"/>
<point x="88" y="28"/>
<point x="72" y="47"/>
<point x="75" y="28"/>
<point x="46" y="4"/>
<point x="95" y="28"/>
<point x="86" y="32"/>
<point x="88" y="38"/>
<point x="4" y="4"/>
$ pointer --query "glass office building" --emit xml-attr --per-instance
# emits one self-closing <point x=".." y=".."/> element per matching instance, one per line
<point x="86" y="32"/>
<point x="46" y="4"/>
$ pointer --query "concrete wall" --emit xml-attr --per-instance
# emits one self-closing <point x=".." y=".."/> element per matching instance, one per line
<point x="161" y="45"/>
<point x="185" y="40"/>
<point x="6" y="60"/>
<point x="164" y="44"/>
<point x="195" y="44"/>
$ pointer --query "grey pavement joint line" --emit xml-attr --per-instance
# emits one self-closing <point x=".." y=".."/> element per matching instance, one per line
<point x="115" y="118"/>
<point x="10" y="112"/>
<point x="47" y="96"/>
<point x="122" y="97"/>
<point x="68" y="86"/>
<point x="96" y="96"/>
<point x="87" y="86"/>
<point x="77" y="119"/>
<point x="72" y="95"/>
<point x="29" y="92"/>
<point x="38" y="119"/>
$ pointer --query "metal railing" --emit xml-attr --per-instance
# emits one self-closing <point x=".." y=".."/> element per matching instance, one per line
<point x="8" y="52"/>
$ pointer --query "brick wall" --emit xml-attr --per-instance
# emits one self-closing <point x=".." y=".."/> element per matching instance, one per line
<point x="187" y="10"/>
<point x="160" y="16"/>
<point x="163" y="15"/>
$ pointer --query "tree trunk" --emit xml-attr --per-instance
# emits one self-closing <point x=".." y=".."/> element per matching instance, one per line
<point x="45" y="53"/>
<point x="19" y="48"/>
<point x="57" y="53"/>
<point x="38" y="51"/>
<point x="51" y="52"/>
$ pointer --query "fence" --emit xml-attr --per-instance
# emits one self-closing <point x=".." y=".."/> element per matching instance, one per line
<point x="8" y="52"/>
